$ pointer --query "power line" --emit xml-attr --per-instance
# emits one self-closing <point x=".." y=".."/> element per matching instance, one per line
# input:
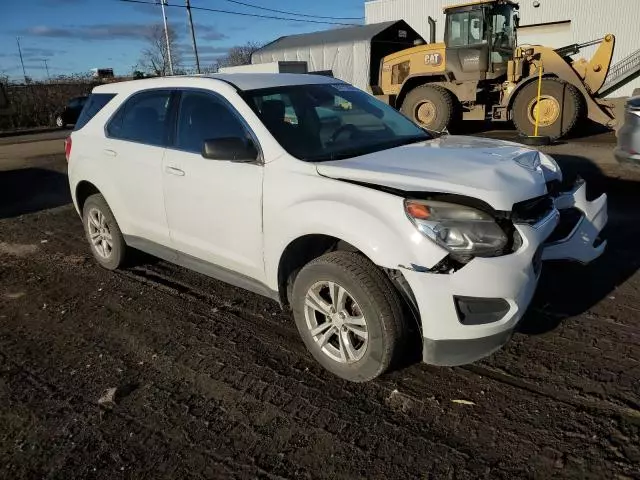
<point x="244" y="14"/>
<point x="250" y="5"/>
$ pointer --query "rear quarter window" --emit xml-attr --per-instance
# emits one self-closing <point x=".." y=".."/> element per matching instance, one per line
<point x="93" y="105"/>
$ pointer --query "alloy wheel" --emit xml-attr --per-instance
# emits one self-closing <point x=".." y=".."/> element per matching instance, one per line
<point x="99" y="233"/>
<point x="336" y="322"/>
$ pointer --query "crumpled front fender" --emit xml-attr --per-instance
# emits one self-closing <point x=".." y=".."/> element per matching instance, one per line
<point x="582" y="243"/>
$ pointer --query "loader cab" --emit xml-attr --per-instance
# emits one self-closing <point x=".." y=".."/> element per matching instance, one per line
<point x="480" y="39"/>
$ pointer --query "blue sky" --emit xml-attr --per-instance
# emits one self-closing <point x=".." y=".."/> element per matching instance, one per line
<point x="77" y="35"/>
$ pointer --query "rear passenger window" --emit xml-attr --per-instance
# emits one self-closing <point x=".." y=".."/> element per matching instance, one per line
<point x="142" y="118"/>
<point x="204" y="117"/>
<point x="93" y="105"/>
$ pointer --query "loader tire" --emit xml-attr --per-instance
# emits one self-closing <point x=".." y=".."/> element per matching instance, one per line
<point x="562" y="106"/>
<point x="431" y="106"/>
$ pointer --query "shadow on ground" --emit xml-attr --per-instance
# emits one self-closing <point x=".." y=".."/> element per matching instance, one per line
<point x="568" y="289"/>
<point x="30" y="190"/>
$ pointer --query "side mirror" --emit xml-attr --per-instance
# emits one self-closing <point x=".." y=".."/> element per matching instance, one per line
<point x="516" y="21"/>
<point x="233" y="149"/>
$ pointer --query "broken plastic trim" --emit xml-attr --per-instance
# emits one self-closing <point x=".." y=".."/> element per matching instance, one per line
<point x="447" y="265"/>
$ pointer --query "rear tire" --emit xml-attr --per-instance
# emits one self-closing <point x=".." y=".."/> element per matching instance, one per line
<point x="60" y="122"/>
<point x="103" y="233"/>
<point x="355" y="298"/>
<point x="562" y="107"/>
<point x="431" y="106"/>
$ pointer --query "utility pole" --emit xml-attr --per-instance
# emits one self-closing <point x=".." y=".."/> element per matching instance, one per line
<point x="193" y="36"/>
<point x="47" y="68"/>
<point x="166" y="35"/>
<point x="21" y="61"/>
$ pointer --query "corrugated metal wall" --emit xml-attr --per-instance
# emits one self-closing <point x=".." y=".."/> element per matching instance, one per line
<point x="590" y="19"/>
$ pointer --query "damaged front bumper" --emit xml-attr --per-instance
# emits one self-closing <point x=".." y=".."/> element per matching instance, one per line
<point x="582" y="243"/>
<point x="498" y="290"/>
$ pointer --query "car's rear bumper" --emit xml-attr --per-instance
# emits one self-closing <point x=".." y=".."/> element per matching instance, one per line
<point x="451" y="339"/>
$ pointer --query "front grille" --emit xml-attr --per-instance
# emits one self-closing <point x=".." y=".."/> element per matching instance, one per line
<point x="532" y="211"/>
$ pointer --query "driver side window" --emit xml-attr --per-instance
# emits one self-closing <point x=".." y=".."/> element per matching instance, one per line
<point x="202" y="117"/>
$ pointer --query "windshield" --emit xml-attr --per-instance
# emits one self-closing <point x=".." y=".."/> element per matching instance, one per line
<point x="330" y="122"/>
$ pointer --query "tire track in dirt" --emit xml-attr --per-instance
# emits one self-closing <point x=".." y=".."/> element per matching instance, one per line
<point x="233" y="321"/>
<point x="274" y="359"/>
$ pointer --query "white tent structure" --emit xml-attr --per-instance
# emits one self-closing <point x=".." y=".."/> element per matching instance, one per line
<point x="351" y="54"/>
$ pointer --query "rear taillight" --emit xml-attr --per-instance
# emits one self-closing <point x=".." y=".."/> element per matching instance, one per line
<point x="67" y="148"/>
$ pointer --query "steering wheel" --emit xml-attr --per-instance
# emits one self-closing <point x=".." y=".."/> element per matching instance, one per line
<point x="343" y="128"/>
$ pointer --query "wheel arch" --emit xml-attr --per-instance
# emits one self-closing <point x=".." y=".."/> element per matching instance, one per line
<point x="303" y="249"/>
<point x="84" y="190"/>
<point x="418" y="80"/>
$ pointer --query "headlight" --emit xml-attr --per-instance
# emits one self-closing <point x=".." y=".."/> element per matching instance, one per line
<point x="464" y="231"/>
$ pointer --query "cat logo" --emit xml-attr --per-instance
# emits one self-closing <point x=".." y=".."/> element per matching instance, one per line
<point x="434" y="59"/>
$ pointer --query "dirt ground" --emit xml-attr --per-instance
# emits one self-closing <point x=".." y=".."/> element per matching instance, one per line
<point x="213" y="382"/>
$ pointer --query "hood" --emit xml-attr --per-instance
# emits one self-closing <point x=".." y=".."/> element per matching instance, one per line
<point x="497" y="172"/>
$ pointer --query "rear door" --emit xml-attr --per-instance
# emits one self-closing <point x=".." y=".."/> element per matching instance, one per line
<point x="136" y="137"/>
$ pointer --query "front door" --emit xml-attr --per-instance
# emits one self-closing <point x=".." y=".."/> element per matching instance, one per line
<point x="214" y="207"/>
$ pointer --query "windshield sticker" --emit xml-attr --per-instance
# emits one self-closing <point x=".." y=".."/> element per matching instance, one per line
<point x="345" y="87"/>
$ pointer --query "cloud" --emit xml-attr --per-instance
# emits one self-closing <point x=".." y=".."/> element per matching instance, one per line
<point x="91" y="32"/>
<point x="34" y="53"/>
<point x="113" y="31"/>
<point x="30" y="52"/>
<point x="209" y="32"/>
<point x="187" y="48"/>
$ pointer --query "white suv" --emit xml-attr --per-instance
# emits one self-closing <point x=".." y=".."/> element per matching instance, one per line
<point x="309" y="191"/>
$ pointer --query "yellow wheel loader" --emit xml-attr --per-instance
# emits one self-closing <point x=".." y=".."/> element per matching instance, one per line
<point x="480" y="73"/>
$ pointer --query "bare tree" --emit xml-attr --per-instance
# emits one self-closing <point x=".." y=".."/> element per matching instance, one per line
<point x="239" y="55"/>
<point x="155" y="58"/>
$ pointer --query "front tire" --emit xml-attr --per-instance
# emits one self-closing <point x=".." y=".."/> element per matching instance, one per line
<point x="103" y="233"/>
<point x="561" y="106"/>
<point x="430" y="106"/>
<point x="349" y="315"/>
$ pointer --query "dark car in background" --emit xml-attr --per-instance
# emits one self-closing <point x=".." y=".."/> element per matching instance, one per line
<point x="68" y="115"/>
<point x="628" y="148"/>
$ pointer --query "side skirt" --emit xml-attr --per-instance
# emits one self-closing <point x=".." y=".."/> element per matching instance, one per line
<point x="192" y="263"/>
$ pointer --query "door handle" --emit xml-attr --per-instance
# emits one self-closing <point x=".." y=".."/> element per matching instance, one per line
<point x="111" y="153"/>
<point x="174" y="171"/>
